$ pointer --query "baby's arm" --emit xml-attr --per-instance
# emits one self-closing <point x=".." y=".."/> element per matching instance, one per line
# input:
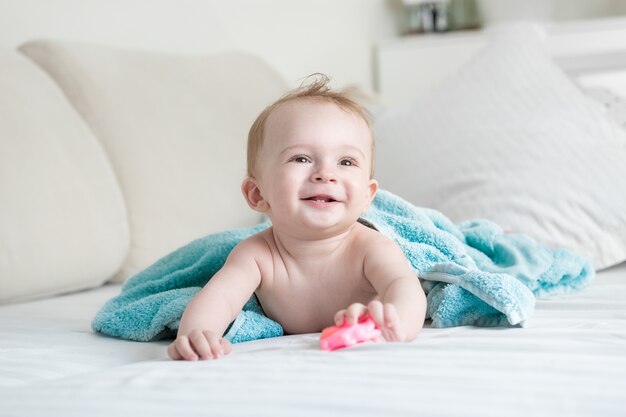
<point x="211" y="311"/>
<point x="400" y="308"/>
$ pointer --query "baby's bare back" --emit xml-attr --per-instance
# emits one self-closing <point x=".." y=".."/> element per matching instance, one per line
<point x="303" y="293"/>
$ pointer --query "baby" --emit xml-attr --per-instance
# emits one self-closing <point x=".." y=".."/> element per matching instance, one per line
<point x="310" y="165"/>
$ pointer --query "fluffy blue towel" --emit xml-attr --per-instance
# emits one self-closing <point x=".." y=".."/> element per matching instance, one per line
<point x="473" y="274"/>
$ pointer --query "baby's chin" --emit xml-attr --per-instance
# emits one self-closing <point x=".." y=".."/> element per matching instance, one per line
<point x="323" y="230"/>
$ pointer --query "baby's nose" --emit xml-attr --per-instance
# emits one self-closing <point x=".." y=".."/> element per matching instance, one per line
<point x="324" y="176"/>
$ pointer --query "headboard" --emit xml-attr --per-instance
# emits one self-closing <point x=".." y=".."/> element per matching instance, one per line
<point x="407" y="68"/>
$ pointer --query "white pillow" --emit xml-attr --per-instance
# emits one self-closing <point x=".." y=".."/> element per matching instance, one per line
<point x="510" y="138"/>
<point x="175" y="129"/>
<point x="613" y="105"/>
<point x="63" y="224"/>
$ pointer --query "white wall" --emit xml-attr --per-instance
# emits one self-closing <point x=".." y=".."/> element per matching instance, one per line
<point x="584" y="9"/>
<point x="298" y="37"/>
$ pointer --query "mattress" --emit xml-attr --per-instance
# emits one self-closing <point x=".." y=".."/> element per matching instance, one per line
<point x="569" y="360"/>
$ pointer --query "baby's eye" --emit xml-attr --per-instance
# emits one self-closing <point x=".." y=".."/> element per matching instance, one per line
<point x="348" y="162"/>
<point x="301" y="159"/>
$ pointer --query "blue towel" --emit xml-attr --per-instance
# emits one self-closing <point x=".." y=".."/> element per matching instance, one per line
<point x="473" y="274"/>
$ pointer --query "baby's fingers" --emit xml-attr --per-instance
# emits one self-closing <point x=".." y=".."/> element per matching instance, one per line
<point x="339" y="317"/>
<point x="181" y="349"/>
<point x="199" y="343"/>
<point x="354" y="311"/>
<point x="173" y="353"/>
<point x="216" y="344"/>
<point x="392" y="330"/>
<point x="375" y="309"/>
<point x="227" y="347"/>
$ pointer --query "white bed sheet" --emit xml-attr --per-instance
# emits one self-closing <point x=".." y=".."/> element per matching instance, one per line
<point x="570" y="360"/>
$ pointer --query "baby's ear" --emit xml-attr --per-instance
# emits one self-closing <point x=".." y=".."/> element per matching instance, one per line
<point x="253" y="196"/>
<point x="371" y="192"/>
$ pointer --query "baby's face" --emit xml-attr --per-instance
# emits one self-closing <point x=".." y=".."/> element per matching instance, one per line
<point x="314" y="166"/>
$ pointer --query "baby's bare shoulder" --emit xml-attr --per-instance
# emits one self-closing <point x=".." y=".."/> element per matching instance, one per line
<point x="378" y="248"/>
<point x="383" y="259"/>
<point x="372" y="239"/>
<point x="255" y="246"/>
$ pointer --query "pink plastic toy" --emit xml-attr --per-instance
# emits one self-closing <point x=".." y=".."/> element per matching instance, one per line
<point x="346" y="335"/>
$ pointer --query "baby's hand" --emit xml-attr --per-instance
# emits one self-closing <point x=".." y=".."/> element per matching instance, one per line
<point x="199" y="344"/>
<point x="384" y="315"/>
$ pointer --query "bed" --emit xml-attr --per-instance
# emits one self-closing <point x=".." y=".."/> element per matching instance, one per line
<point x="569" y="359"/>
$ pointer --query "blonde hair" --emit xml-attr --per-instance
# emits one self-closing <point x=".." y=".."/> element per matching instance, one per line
<point x="316" y="87"/>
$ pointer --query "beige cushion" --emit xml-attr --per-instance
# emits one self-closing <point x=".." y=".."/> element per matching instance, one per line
<point x="63" y="222"/>
<point x="174" y="128"/>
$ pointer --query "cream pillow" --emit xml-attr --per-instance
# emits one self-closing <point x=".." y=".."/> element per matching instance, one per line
<point x="510" y="138"/>
<point x="63" y="224"/>
<point x="175" y="130"/>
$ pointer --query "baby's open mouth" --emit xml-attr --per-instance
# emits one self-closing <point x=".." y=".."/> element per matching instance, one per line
<point x="321" y="199"/>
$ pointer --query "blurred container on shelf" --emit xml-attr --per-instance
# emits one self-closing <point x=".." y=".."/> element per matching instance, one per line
<point x="438" y="16"/>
